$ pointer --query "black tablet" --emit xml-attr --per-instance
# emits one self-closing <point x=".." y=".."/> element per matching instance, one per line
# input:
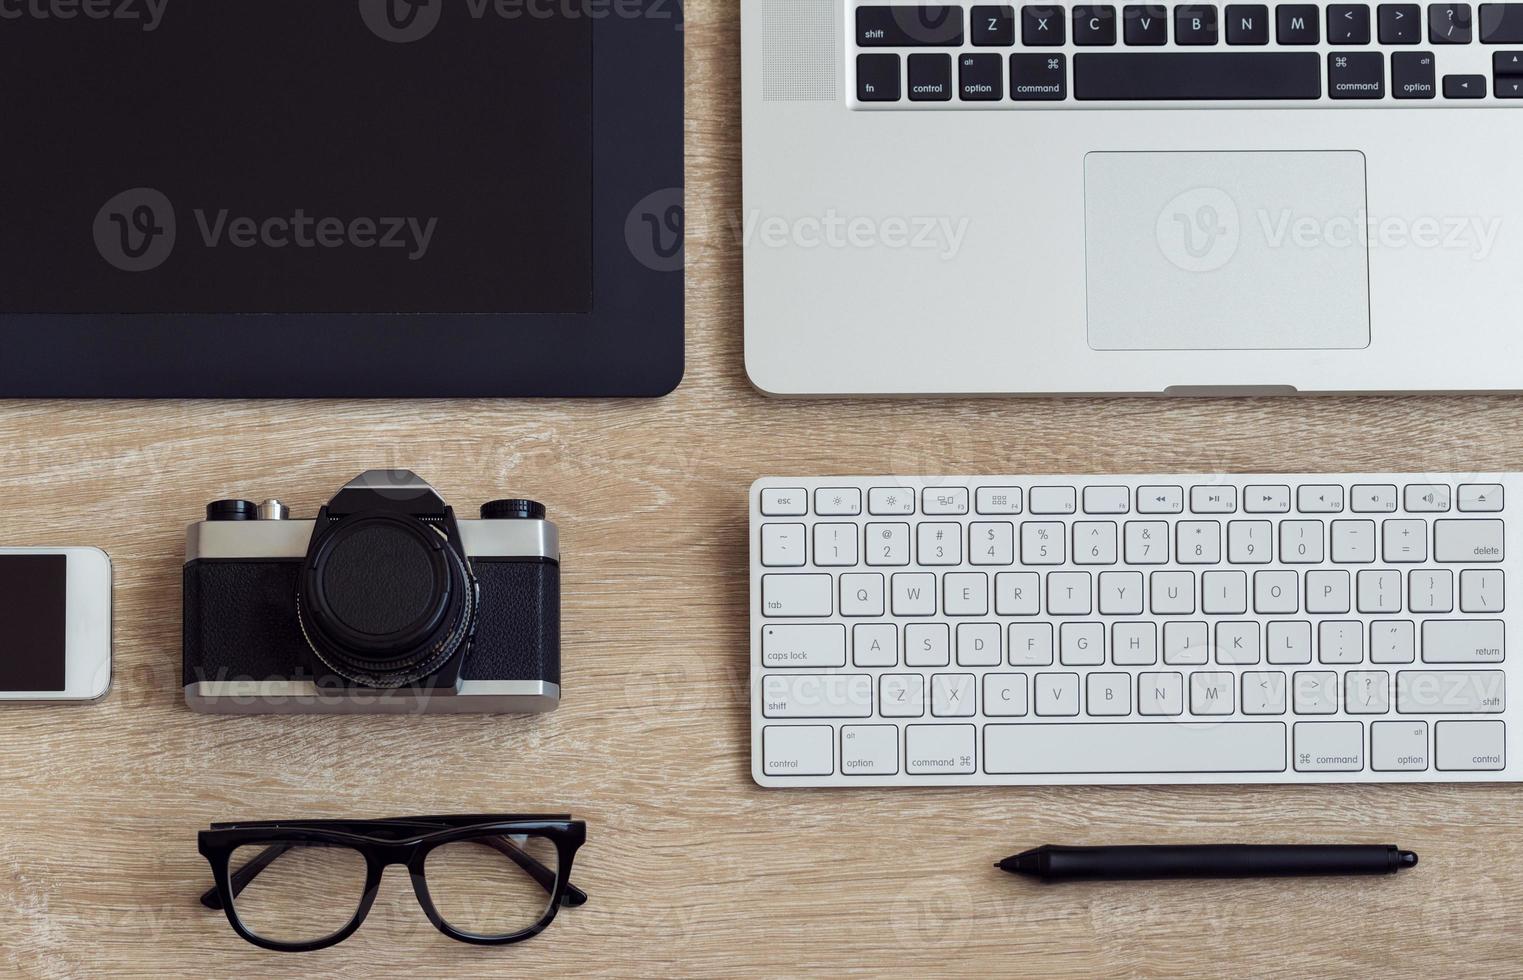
<point x="347" y="198"/>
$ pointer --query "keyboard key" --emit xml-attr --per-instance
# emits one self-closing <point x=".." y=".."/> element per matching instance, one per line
<point x="1056" y="695"/>
<point x="993" y="26"/>
<point x="838" y="502"/>
<point x="1348" y="23"/>
<point x="796" y="595"/>
<point x="952" y="696"/>
<point x="1400" y="23"/>
<point x="1404" y="540"/>
<point x="862" y="595"/>
<point x="1509" y="87"/>
<point x="782" y="545"/>
<point x="1449" y="23"/>
<point x="890" y="500"/>
<point x="940" y="749"/>
<point x="818" y="646"/>
<point x="1200" y="542"/>
<point x="1298" y="23"/>
<point x="1038" y="77"/>
<point x="1069" y="594"/>
<point x="1288" y="642"/>
<point x="1004" y="695"/>
<point x="1268" y="500"/>
<point x="1463" y="641"/>
<point x="1356" y="75"/>
<point x="1155" y="500"/>
<point x="1317" y="499"/>
<point x="1507" y="64"/>
<point x="1195" y="24"/>
<point x="965" y="594"/>
<point x="1211" y="692"/>
<point x="1301" y="542"/>
<point x="930" y="77"/>
<point x="938" y="543"/>
<point x="835" y="544"/>
<point x="1464" y="86"/>
<point x="945" y="500"/>
<point x="1502" y="23"/>
<point x="1329" y="746"/>
<point x="1481" y="590"/>
<point x="1376" y="499"/>
<point x="1094" y="26"/>
<point x="1248" y="542"/>
<point x="1340" y="641"/>
<point x="1237" y="643"/>
<point x="923" y="25"/>
<point x="1042" y="543"/>
<point x="875" y="645"/>
<point x="1146" y="26"/>
<point x="878" y="77"/>
<point x="1107" y="500"/>
<point x="1464" y="542"/>
<point x="1367" y="692"/>
<point x="1134" y="644"/>
<point x="1134" y="747"/>
<point x="1147" y="542"/>
<point x="1224" y="593"/>
<point x="798" y="750"/>
<point x="1017" y="594"/>
<point x="792" y="502"/>
<point x="887" y="544"/>
<point x="998" y="500"/>
<point x="978" y="645"/>
<point x="1109" y="694"/>
<point x="1456" y="692"/>
<point x="1161" y="694"/>
<point x="1185" y="644"/>
<point x="1353" y="542"/>
<point x="1247" y="24"/>
<point x="1213" y="500"/>
<point x="1042" y="27"/>
<point x="869" y="750"/>
<point x="1470" y="745"/>
<point x="991" y="543"/>
<point x="1315" y="692"/>
<point x="1484" y="497"/>
<point x="1263" y="692"/>
<point x="1052" y="500"/>
<point x="1379" y="592"/>
<point x="1399" y="746"/>
<point x="901" y="695"/>
<point x="1094" y="543"/>
<point x="1276" y="593"/>
<point x="914" y="595"/>
<point x="817" y="695"/>
<point x="1392" y="642"/>
<point x="1030" y="644"/>
<point x="981" y="77"/>
<point x="1121" y="594"/>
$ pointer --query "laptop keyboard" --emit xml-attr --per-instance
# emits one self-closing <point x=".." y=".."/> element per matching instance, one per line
<point x="1153" y="629"/>
<point x="927" y="56"/>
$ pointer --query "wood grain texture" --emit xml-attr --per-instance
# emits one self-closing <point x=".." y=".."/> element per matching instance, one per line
<point x="692" y="869"/>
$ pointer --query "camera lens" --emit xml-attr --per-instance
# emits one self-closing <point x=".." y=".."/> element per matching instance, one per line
<point x="385" y="600"/>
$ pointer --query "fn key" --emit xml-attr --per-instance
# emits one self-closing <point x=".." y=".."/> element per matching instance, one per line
<point x="1038" y="77"/>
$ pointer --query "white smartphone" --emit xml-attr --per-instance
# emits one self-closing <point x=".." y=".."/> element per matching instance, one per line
<point x="55" y="624"/>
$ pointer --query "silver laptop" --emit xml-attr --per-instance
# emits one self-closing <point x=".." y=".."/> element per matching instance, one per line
<point x="952" y="198"/>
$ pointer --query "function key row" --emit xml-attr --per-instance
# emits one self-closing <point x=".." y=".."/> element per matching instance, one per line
<point x="999" y="25"/>
<point x="954" y="501"/>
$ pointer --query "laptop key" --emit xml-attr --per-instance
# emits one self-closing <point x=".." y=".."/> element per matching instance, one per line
<point x="1449" y="23"/>
<point x="1247" y="24"/>
<point x="1297" y="23"/>
<point x="1464" y="86"/>
<point x="1038" y="77"/>
<point x="1348" y="23"/>
<point x="1195" y="24"/>
<point x="878" y="77"/>
<point x="993" y="26"/>
<point x="1502" y="23"/>
<point x="1042" y="27"/>
<point x="1400" y="23"/>
<point x="1094" y="26"/>
<point x="919" y="26"/>
<point x="981" y="77"/>
<point x="1146" y="26"/>
<point x="1356" y="75"/>
<point x="1413" y="75"/>
<point x="930" y="77"/>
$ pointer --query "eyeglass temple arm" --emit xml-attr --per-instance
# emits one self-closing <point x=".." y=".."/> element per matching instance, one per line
<point x="241" y="878"/>
<point x="542" y="875"/>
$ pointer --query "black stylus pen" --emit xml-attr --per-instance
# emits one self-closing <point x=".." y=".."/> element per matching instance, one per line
<point x="1053" y="863"/>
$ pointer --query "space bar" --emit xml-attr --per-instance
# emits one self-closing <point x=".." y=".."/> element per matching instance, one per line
<point x="1203" y="76"/>
<point x="1246" y="746"/>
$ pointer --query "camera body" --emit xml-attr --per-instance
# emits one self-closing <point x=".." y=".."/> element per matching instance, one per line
<point x="385" y="603"/>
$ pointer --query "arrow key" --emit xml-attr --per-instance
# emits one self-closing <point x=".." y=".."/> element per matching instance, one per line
<point x="1400" y="23"/>
<point x="1464" y="86"/>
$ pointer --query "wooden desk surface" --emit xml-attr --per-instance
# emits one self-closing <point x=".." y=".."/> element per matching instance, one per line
<point x="692" y="869"/>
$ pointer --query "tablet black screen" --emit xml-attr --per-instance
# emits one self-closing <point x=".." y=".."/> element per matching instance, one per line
<point x="295" y="156"/>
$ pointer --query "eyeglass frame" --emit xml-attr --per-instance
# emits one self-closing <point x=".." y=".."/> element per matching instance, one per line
<point x="218" y="843"/>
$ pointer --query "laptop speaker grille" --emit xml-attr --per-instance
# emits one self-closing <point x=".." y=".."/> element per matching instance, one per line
<point x="801" y="49"/>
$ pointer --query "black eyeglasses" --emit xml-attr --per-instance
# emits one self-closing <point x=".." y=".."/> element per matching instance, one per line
<point x="298" y="885"/>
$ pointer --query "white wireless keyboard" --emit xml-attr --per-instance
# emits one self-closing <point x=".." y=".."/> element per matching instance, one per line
<point x="1021" y="630"/>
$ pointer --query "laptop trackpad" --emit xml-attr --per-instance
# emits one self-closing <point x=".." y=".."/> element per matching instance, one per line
<point x="1227" y="251"/>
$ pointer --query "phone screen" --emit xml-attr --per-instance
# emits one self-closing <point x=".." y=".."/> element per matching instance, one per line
<point x="33" y="622"/>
